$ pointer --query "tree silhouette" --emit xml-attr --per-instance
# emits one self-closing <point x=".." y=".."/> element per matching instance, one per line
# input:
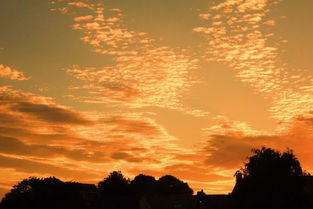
<point x="114" y="185"/>
<point x="269" y="179"/>
<point x="48" y="193"/>
<point x="267" y="162"/>
<point x="170" y="185"/>
<point x="143" y="185"/>
<point x="117" y="185"/>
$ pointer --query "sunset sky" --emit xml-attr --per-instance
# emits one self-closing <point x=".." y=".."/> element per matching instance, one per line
<point x="180" y="87"/>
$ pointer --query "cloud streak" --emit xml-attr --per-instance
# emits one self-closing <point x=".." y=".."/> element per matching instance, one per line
<point x="28" y="166"/>
<point x="39" y="136"/>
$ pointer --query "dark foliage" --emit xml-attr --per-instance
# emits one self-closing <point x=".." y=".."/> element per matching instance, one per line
<point x="117" y="185"/>
<point x="114" y="185"/>
<point x="169" y="185"/>
<point x="48" y="193"/>
<point x="143" y="185"/>
<point x="269" y="179"/>
<point x="115" y="191"/>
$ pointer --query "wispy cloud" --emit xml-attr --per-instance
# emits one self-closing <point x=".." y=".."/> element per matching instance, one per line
<point x="39" y="136"/>
<point x="235" y="36"/>
<point x="228" y="145"/>
<point x="144" y="72"/>
<point x="12" y="74"/>
<point x="49" y="113"/>
<point x="157" y="78"/>
<point x="29" y="105"/>
<point x="30" y="167"/>
<point x="14" y="146"/>
<point x="238" y="34"/>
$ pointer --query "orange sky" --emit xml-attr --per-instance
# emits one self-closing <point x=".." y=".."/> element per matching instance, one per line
<point x="185" y="88"/>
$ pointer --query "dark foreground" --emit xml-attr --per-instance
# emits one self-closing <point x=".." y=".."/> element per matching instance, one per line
<point x="269" y="180"/>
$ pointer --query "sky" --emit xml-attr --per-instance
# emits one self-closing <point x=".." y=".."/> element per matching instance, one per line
<point x="157" y="87"/>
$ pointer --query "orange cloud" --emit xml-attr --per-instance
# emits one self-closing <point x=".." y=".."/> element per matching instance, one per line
<point x="14" y="146"/>
<point x="83" y="18"/>
<point x="12" y="74"/>
<point x="28" y="166"/>
<point x="50" y="114"/>
<point x="229" y="147"/>
<point x="236" y="37"/>
<point x="143" y="73"/>
<point x="80" y="4"/>
<point x="39" y="136"/>
<point x="157" y="78"/>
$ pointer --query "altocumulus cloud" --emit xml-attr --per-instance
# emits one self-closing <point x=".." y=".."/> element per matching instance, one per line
<point x="12" y="74"/>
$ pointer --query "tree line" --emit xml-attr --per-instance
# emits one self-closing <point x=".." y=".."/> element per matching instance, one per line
<point x="33" y="193"/>
<point x="269" y="179"/>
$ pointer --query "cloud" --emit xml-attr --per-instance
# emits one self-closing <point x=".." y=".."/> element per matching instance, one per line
<point x="229" y="152"/>
<point x="83" y="18"/>
<point x="125" y="125"/>
<point x="14" y="146"/>
<point x="43" y="108"/>
<point x="125" y="156"/>
<point x="127" y="142"/>
<point x="39" y="136"/>
<point x="51" y="114"/>
<point x="308" y="118"/>
<point x="295" y="103"/>
<point x="12" y="74"/>
<point x="80" y="4"/>
<point x="107" y="34"/>
<point x="213" y="163"/>
<point x="144" y="73"/>
<point x="229" y="148"/>
<point x="22" y="165"/>
<point x="235" y="37"/>
<point x="157" y="78"/>
<point x="238" y="34"/>
<point x="230" y="141"/>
